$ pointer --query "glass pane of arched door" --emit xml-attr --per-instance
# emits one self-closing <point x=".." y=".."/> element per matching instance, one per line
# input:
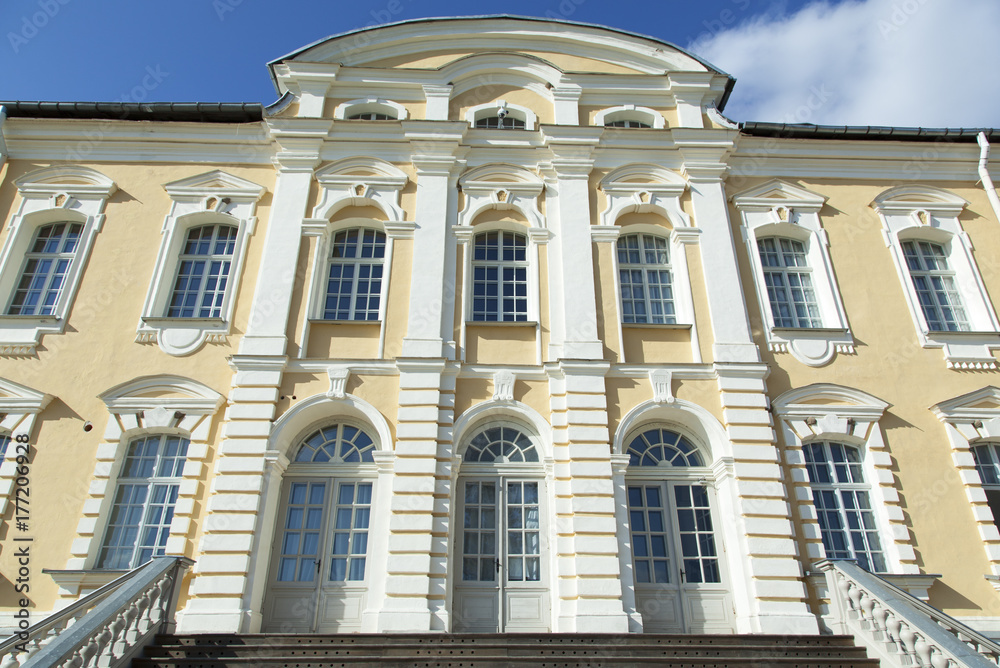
<point x="319" y="559"/>
<point x="678" y="569"/>
<point x="500" y="582"/>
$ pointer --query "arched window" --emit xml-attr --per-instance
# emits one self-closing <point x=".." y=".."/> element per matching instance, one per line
<point x="987" y="457"/>
<point x="326" y="521"/>
<point x="370" y="116"/>
<point x="843" y="504"/>
<point x="4" y="444"/>
<point x="626" y="123"/>
<point x="500" y="277"/>
<point x="501" y="115"/>
<point x="203" y="272"/>
<point x="46" y="266"/>
<point x="788" y="279"/>
<point x="670" y="520"/>
<point x="144" y="501"/>
<point x="340" y="443"/>
<point x="498" y="122"/>
<point x="661" y="447"/>
<point x="934" y="282"/>
<point x="501" y="444"/>
<point x="645" y="279"/>
<point x="354" y="284"/>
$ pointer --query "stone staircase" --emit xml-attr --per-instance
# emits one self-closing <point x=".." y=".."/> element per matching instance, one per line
<point x="500" y="650"/>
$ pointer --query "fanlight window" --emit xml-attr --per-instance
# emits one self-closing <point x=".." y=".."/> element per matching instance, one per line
<point x="501" y="444"/>
<point x="371" y="116"/>
<point x="336" y="444"/>
<point x="627" y="123"/>
<point x="662" y="447"/>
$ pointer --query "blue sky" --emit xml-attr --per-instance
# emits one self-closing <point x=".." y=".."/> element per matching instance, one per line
<point x="895" y="62"/>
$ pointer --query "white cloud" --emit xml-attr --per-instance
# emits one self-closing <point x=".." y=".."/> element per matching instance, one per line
<point x="929" y="63"/>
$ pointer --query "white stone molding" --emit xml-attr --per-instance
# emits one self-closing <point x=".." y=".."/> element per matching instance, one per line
<point x="19" y="409"/>
<point x="322" y="408"/>
<point x="214" y="197"/>
<point x="513" y="411"/>
<point x="780" y="209"/>
<point x="630" y="112"/>
<point x="973" y="419"/>
<point x="504" y="188"/>
<point x="55" y="194"/>
<point x="700" y="426"/>
<point x="490" y="109"/>
<point x="503" y="385"/>
<point x="339" y="375"/>
<point x="437" y="98"/>
<point x="828" y="412"/>
<point x="370" y="105"/>
<point x="162" y="404"/>
<point x="662" y="382"/>
<point x="642" y="188"/>
<point x="925" y="213"/>
<point x="360" y="181"/>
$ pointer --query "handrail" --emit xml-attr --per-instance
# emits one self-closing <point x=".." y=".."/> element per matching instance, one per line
<point x="107" y="627"/>
<point x="898" y="627"/>
<point x="69" y="612"/>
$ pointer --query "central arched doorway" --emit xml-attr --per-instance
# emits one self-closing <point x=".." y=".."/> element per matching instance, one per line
<point x="678" y="569"/>
<point x="318" y="577"/>
<point x="501" y="534"/>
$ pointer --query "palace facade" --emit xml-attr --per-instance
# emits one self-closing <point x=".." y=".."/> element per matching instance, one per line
<point x="496" y="324"/>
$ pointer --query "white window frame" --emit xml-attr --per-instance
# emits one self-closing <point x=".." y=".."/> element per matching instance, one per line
<point x="19" y="409"/>
<point x="208" y="199"/>
<point x="171" y="482"/>
<point x="375" y="105"/>
<point x="630" y="112"/>
<point x="356" y="262"/>
<point x="851" y="417"/>
<point x="924" y="213"/>
<point x="645" y="267"/>
<point x="55" y="194"/>
<point x="778" y="209"/>
<point x="971" y="419"/>
<point x="491" y="109"/>
<point x="149" y="405"/>
<point x="353" y="182"/>
<point x="499" y="315"/>
<point x="837" y="487"/>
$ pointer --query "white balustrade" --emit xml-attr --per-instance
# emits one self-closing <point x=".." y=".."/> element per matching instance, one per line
<point x="900" y="629"/>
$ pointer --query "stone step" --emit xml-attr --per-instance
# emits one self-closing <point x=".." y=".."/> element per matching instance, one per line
<point x="553" y="650"/>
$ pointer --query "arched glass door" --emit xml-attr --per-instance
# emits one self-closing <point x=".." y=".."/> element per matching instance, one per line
<point x="318" y="574"/>
<point x="678" y="570"/>
<point x="501" y="579"/>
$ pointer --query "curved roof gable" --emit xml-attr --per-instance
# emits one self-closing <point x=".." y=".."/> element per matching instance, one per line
<point x="426" y="37"/>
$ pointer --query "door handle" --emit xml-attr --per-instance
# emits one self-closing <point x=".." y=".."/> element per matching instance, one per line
<point x="317" y="562"/>
<point x="498" y="564"/>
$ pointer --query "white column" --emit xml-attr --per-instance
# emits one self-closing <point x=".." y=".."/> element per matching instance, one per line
<point x="572" y="296"/>
<point x="437" y="98"/>
<point x="436" y="158"/>
<point x="300" y="141"/>
<point x="727" y="303"/>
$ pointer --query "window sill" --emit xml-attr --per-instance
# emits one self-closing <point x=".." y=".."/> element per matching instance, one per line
<point x="18" y="318"/>
<point x="501" y="323"/>
<point x="656" y="325"/>
<point x="803" y="330"/>
<point x="322" y="321"/>
<point x="159" y="321"/>
<point x="939" y="333"/>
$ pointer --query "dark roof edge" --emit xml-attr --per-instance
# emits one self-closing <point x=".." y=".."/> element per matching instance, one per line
<point x="865" y="132"/>
<point x="191" y="112"/>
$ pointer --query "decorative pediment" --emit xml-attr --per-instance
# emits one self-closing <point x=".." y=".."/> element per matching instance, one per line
<point x="978" y="405"/>
<point x="54" y="181"/>
<point x="826" y="409"/>
<point x="361" y="181"/>
<point x="217" y="183"/>
<point x="777" y="193"/>
<point x="17" y="398"/>
<point x="642" y="188"/>
<point x="151" y="392"/>
<point x="912" y="199"/>
<point x="502" y="187"/>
